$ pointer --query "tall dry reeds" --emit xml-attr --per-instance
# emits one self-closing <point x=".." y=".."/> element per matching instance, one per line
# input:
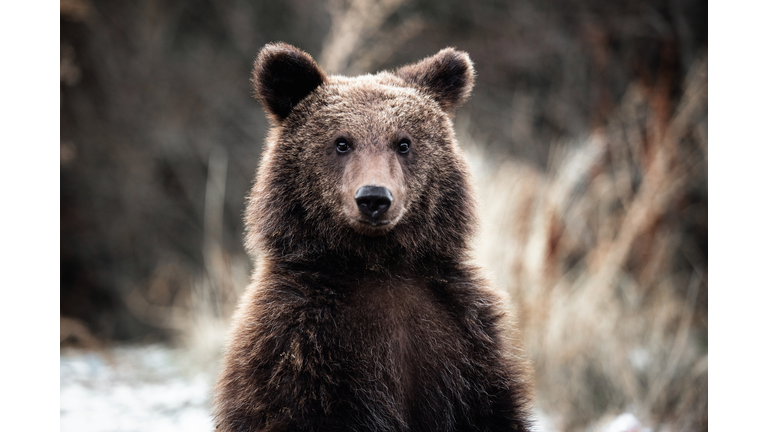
<point x="359" y="40"/>
<point x="596" y="253"/>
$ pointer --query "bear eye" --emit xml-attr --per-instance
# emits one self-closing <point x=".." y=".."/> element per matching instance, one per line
<point x="342" y="146"/>
<point x="404" y="146"/>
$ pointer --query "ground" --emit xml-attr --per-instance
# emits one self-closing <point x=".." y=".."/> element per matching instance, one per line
<point x="133" y="388"/>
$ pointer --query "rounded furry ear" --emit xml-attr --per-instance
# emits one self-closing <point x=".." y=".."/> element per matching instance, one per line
<point x="447" y="76"/>
<point x="282" y="76"/>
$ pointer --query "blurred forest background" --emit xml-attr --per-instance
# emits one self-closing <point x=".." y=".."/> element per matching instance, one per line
<point x="587" y="130"/>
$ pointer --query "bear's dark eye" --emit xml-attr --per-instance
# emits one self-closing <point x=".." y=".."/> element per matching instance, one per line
<point x="342" y="146"/>
<point x="404" y="146"/>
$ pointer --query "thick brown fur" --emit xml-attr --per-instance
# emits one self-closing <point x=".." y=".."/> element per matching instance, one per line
<point x="351" y="325"/>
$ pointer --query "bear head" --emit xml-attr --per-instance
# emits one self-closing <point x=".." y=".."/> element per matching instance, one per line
<point x="361" y="167"/>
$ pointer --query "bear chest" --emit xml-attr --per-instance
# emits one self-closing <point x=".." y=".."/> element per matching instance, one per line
<point x="403" y="337"/>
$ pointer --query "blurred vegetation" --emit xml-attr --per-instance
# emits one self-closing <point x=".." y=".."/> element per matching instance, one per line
<point x="587" y="127"/>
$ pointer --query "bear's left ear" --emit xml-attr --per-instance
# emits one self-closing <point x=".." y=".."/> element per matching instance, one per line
<point x="447" y="76"/>
<point x="283" y="75"/>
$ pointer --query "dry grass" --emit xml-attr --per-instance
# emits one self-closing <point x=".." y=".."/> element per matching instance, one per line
<point x="358" y="24"/>
<point x="590" y="251"/>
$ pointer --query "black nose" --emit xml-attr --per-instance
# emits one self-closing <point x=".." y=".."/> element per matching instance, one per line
<point x="373" y="201"/>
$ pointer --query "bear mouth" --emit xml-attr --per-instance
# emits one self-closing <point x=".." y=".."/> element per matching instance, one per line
<point x="374" y="223"/>
<point x="372" y="227"/>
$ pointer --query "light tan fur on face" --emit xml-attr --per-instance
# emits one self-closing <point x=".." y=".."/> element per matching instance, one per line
<point x="373" y="115"/>
<point x="373" y="163"/>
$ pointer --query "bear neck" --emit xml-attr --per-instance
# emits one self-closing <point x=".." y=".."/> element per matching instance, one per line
<point x="383" y="267"/>
<point x="374" y="254"/>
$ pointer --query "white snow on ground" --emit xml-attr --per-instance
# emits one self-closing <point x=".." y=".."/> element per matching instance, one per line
<point x="542" y="423"/>
<point x="142" y="388"/>
<point x="625" y="423"/>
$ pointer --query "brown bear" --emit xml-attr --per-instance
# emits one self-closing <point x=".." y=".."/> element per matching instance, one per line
<point x="365" y="312"/>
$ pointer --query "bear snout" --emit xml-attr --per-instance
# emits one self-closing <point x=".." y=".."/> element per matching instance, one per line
<point x="373" y="201"/>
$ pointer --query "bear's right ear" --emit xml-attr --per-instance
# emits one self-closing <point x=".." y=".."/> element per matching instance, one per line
<point x="283" y="75"/>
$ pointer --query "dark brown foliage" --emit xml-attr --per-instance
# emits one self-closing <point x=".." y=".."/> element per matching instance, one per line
<point x="354" y="324"/>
